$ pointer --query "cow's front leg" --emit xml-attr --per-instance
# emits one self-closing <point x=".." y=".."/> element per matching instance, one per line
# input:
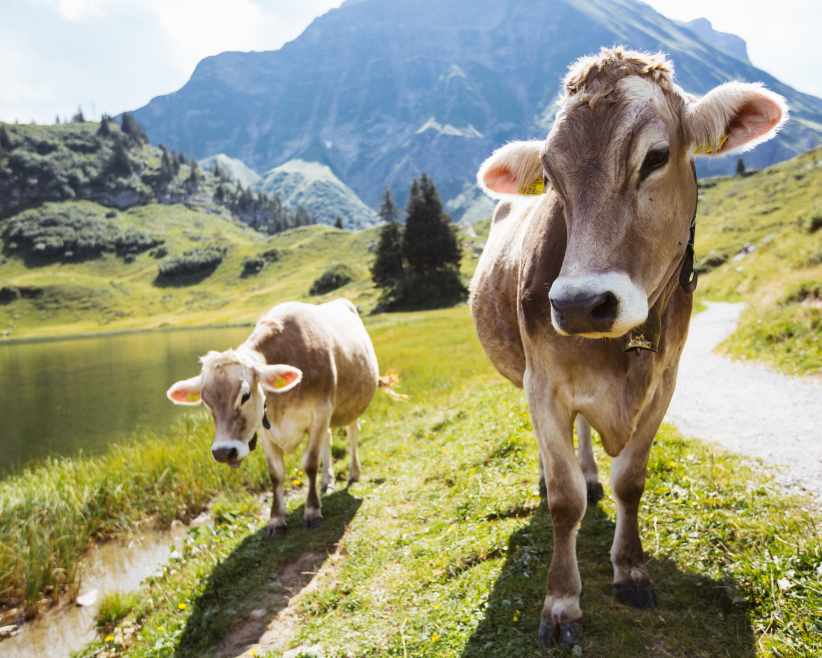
<point x="561" y="614"/>
<point x="276" y="469"/>
<point x="585" y="454"/>
<point x="632" y="584"/>
<point x="317" y="435"/>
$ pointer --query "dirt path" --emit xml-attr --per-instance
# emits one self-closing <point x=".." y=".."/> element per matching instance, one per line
<point x="746" y="407"/>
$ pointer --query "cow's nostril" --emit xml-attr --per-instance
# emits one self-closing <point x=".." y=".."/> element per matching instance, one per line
<point x="606" y="308"/>
<point x="232" y="454"/>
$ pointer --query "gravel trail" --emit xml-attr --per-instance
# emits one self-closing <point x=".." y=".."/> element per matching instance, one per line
<point x="747" y="407"/>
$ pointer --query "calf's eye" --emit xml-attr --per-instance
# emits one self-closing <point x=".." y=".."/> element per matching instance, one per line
<point x="655" y="159"/>
<point x="246" y="397"/>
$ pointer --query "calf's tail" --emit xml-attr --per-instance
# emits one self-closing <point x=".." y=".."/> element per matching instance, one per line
<point x="387" y="382"/>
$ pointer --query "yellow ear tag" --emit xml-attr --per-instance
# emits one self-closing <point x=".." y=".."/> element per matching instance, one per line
<point x="193" y="396"/>
<point x="281" y="381"/>
<point x="710" y="150"/>
<point x="535" y="188"/>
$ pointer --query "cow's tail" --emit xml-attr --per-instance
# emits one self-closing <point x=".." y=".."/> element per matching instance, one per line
<point x="387" y="382"/>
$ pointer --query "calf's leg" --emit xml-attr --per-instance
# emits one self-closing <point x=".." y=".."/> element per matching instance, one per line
<point x="353" y="431"/>
<point x="561" y="613"/>
<point x="276" y="469"/>
<point x="632" y="584"/>
<point x="585" y="454"/>
<point x="327" y="463"/>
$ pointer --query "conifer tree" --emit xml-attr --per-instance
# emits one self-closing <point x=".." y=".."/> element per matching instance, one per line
<point x="120" y="163"/>
<point x="740" y="167"/>
<point x="104" y="130"/>
<point x="429" y="241"/>
<point x="338" y="223"/>
<point x="130" y="126"/>
<point x="5" y="139"/>
<point x="78" y="116"/>
<point x="387" y="270"/>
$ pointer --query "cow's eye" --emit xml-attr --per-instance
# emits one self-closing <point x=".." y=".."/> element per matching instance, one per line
<point x="655" y="159"/>
<point x="246" y="397"/>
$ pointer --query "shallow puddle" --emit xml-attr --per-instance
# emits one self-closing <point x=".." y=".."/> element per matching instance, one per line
<point x="111" y="567"/>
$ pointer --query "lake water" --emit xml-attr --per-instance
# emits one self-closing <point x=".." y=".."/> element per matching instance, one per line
<point x="79" y="395"/>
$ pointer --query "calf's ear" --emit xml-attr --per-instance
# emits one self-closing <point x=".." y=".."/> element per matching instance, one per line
<point x="735" y="116"/>
<point x="513" y="169"/>
<point x="186" y="392"/>
<point x="279" y="378"/>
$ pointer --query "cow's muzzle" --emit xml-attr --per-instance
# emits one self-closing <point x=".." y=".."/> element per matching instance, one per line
<point x="598" y="306"/>
<point x="229" y="452"/>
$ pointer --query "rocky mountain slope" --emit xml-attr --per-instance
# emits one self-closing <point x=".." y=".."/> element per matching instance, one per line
<point x="315" y="187"/>
<point x="232" y="168"/>
<point x="380" y="90"/>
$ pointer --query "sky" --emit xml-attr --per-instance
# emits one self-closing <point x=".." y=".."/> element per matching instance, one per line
<point x="115" y="55"/>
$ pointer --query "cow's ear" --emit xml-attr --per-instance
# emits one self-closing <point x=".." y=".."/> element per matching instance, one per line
<point x="279" y="378"/>
<point x="735" y="116"/>
<point x="186" y="392"/>
<point x="513" y="169"/>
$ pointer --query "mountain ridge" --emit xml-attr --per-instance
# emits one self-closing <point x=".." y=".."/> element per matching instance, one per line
<point x="380" y="91"/>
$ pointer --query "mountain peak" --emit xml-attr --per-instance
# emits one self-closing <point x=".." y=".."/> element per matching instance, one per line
<point x="728" y="43"/>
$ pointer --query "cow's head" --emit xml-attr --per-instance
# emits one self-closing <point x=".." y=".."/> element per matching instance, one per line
<point x="618" y="158"/>
<point x="233" y="385"/>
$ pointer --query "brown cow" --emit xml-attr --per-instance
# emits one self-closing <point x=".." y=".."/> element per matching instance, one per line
<point x="582" y="293"/>
<point x="329" y="380"/>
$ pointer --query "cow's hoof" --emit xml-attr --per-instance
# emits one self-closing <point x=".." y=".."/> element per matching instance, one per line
<point x="564" y="634"/>
<point x="326" y="488"/>
<point x="273" y="531"/>
<point x="595" y="492"/>
<point x="313" y="522"/>
<point x="354" y="477"/>
<point x="636" y="594"/>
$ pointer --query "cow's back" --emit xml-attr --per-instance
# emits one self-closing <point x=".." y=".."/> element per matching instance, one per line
<point x="329" y="343"/>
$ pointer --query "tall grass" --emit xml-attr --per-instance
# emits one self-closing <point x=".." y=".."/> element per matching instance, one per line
<point x="50" y="514"/>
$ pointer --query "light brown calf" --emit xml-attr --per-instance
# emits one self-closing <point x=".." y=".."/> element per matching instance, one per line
<point x="329" y="381"/>
<point x="588" y="257"/>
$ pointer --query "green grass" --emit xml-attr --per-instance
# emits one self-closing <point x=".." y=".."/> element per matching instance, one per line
<point x="774" y="212"/>
<point x="442" y="549"/>
<point x="114" y="607"/>
<point x="107" y="294"/>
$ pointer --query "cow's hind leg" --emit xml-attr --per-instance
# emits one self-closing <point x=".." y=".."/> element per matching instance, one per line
<point x="561" y="613"/>
<point x="632" y="584"/>
<point x="327" y="463"/>
<point x="353" y="431"/>
<point x="585" y="454"/>
<point x="276" y="469"/>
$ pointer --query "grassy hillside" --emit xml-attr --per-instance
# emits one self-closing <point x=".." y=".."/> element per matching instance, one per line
<point x="760" y="238"/>
<point x="110" y="294"/>
<point x="442" y="549"/>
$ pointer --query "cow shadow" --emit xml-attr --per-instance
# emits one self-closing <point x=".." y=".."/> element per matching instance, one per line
<point x="247" y="590"/>
<point x="695" y="615"/>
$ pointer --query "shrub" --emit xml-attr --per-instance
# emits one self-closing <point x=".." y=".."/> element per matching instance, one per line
<point x="710" y="262"/>
<point x="813" y="222"/>
<point x="255" y="264"/>
<point x="333" y="278"/>
<point x="192" y="267"/>
<point x="70" y="234"/>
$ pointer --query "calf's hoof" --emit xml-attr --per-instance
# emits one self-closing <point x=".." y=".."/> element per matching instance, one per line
<point x="636" y="594"/>
<point x="595" y="492"/>
<point x="313" y="522"/>
<point x="563" y="634"/>
<point x="274" y="530"/>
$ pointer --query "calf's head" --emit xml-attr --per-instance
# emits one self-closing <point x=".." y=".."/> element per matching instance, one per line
<point x="233" y="385"/>
<point x="618" y="159"/>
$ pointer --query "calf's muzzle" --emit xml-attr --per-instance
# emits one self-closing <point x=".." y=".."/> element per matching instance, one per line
<point x="584" y="312"/>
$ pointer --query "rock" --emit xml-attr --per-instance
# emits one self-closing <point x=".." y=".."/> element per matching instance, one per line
<point x="314" y="651"/>
<point x="258" y="614"/>
<point x="8" y="631"/>
<point x="87" y="599"/>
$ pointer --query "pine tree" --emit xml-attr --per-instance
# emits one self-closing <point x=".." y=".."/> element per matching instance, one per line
<point x="130" y="126"/>
<point x="104" y="130"/>
<point x="78" y="116"/>
<point x="5" y="140"/>
<point x="740" y="167"/>
<point x="338" y="223"/>
<point x="387" y="270"/>
<point x="193" y="180"/>
<point x="429" y="242"/>
<point x="120" y="163"/>
<point x="56" y="119"/>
